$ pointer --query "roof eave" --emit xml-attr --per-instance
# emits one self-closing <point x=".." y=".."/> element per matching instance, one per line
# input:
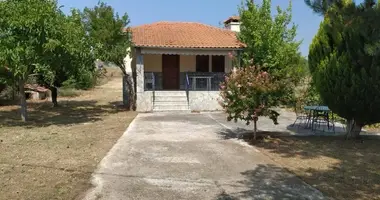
<point x="195" y="48"/>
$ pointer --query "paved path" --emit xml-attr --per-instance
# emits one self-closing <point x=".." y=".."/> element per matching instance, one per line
<point x="185" y="156"/>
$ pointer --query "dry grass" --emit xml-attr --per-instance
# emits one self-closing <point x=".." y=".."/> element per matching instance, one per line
<point x="340" y="169"/>
<point x="53" y="155"/>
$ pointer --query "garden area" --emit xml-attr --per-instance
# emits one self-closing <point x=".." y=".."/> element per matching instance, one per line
<point x="53" y="155"/>
<point x="341" y="74"/>
<point x="330" y="164"/>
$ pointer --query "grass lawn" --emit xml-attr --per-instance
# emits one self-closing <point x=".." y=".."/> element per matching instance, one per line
<point x="53" y="155"/>
<point x="338" y="168"/>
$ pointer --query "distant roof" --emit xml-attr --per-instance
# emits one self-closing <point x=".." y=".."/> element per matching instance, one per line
<point x="183" y="35"/>
<point x="232" y="19"/>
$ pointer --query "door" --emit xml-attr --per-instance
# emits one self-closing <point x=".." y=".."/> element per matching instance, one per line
<point x="170" y="72"/>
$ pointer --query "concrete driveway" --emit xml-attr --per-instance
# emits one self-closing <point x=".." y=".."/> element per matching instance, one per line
<point x="187" y="156"/>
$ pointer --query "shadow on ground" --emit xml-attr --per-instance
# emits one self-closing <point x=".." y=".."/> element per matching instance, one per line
<point x="342" y="169"/>
<point x="270" y="182"/>
<point x="68" y="113"/>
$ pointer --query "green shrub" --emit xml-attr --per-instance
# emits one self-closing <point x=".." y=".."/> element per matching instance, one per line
<point x="68" y="92"/>
<point x="84" y="80"/>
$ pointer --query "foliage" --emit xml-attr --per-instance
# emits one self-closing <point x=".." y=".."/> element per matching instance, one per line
<point x="322" y="6"/>
<point x="110" y="40"/>
<point x="271" y="40"/>
<point x="25" y="30"/>
<point x="107" y="33"/>
<point x="84" y="79"/>
<point x="68" y="92"/>
<point x="248" y="93"/>
<point x="306" y="95"/>
<point x="271" y="43"/>
<point x="69" y="57"/>
<point x="344" y="60"/>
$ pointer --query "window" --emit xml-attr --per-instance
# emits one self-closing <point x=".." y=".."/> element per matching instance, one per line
<point x="202" y="63"/>
<point x="218" y="63"/>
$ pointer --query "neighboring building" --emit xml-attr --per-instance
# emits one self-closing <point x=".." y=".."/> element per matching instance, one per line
<point x="181" y="64"/>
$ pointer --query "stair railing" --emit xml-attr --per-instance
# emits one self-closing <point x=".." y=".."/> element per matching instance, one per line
<point x="153" y="87"/>
<point x="187" y="88"/>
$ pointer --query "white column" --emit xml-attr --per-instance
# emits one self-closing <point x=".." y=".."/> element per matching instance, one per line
<point x="139" y="71"/>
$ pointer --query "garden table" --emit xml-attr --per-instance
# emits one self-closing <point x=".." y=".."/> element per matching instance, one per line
<point x="313" y="112"/>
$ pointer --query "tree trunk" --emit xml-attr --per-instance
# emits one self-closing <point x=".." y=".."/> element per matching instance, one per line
<point x="353" y="129"/>
<point x="254" y="129"/>
<point x="54" y="94"/>
<point x="24" y="114"/>
<point x="129" y="99"/>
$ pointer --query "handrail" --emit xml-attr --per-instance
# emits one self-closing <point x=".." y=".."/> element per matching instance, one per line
<point x="187" y="87"/>
<point x="187" y="81"/>
<point x="153" y="87"/>
<point x="153" y="81"/>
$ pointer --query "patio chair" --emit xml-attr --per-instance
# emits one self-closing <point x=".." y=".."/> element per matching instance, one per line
<point x="301" y="116"/>
<point x="322" y="118"/>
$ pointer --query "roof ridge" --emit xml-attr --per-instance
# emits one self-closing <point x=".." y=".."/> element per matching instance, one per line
<point x="183" y="22"/>
<point x="180" y="34"/>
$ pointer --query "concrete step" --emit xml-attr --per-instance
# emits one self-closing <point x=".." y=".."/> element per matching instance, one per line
<point x="170" y="93"/>
<point x="168" y="103"/>
<point x="166" y="110"/>
<point x="173" y="107"/>
<point x="170" y="98"/>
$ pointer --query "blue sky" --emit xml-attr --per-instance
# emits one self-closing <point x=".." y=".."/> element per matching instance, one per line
<point x="205" y="11"/>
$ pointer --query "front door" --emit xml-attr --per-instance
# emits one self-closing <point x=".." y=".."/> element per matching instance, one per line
<point x="170" y="72"/>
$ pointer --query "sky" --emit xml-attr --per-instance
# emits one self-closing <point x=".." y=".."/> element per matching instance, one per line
<point x="211" y="12"/>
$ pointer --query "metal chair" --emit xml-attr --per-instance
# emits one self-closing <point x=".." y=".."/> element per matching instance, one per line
<point x="321" y="117"/>
<point x="301" y="117"/>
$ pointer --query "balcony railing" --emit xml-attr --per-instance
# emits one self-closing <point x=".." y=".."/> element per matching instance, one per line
<point x="194" y="81"/>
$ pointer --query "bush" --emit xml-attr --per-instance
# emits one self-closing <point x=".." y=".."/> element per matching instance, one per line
<point x="68" y="92"/>
<point x="84" y="80"/>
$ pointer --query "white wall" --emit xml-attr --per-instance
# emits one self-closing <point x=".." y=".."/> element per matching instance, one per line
<point x="153" y="62"/>
<point x="233" y="26"/>
<point x="187" y="63"/>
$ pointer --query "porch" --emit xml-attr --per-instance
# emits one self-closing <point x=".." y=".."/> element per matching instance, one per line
<point x="185" y="72"/>
<point x="180" y="79"/>
<point x="188" y="81"/>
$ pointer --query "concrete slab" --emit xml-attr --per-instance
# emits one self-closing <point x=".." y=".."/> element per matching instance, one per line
<point x="186" y="156"/>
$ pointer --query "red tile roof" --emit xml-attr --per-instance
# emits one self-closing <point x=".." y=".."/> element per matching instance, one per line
<point x="183" y="35"/>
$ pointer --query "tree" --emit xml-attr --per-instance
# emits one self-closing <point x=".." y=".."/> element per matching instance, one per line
<point x="322" y="6"/>
<point x="24" y="32"/>
<point x="271" y="42"/>
<point x="248" y="93"/>
<point x="344" y="59"/>
<point x="69" y="54"/>
<point x="110" y="40"/>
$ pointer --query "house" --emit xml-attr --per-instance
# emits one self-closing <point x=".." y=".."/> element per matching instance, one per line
<point x="180" y="65"/>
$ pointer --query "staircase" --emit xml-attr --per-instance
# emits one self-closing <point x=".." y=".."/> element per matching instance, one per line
<point x="167" y="101"/>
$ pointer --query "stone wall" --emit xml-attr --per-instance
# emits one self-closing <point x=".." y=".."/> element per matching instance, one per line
<point x="204" y="100"/>
<point x="144" y="101"/>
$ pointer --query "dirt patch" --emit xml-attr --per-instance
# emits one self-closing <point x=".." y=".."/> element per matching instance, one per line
<point x="53" y="155"/>
<point x="341" y="169"/>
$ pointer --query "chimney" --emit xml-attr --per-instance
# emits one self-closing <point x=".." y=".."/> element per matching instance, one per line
<point x="233" y="23"/>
